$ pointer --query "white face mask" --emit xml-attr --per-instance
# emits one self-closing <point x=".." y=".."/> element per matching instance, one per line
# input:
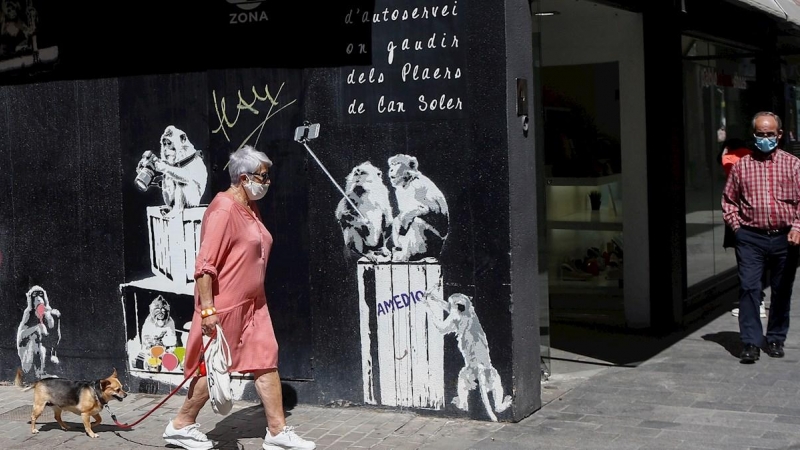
<point x="255" y="191"/>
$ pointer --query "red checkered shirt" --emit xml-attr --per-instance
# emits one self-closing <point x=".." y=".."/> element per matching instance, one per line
<point x="763" y="191"/>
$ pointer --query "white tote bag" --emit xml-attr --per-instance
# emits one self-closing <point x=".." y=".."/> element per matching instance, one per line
<point x="218" y="359"/>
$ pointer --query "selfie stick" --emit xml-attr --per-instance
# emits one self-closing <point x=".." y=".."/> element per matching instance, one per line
<point x="303" y="140"/>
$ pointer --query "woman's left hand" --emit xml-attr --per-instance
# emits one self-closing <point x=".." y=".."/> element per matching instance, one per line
<point x="209" y="325"/>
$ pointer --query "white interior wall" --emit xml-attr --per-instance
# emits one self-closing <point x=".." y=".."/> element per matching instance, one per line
<point x="587" y="33"/>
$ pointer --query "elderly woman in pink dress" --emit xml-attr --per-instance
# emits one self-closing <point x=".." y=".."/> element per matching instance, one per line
<point x="229" y="291"/>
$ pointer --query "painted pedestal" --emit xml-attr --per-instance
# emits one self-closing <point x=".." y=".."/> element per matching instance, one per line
<point x="402" y="353"/>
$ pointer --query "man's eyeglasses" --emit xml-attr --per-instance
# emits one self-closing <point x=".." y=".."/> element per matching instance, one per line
<point x="765" y="135"/>
<point x="262" y="177"/>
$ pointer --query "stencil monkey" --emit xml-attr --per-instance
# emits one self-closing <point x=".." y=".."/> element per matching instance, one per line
<point x="159" y="328"/>
<point x="478" y="370"/>
<point x="421" y="225"/>
<point x="34" y="337"/>
<point x="184" y="175"/>
<point x="366" y="189"/>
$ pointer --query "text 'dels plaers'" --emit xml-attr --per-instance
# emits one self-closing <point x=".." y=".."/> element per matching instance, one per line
<point x="418" y="60"/>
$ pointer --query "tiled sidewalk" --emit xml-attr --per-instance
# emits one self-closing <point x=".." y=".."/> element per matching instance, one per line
<point x="692" y="394"/>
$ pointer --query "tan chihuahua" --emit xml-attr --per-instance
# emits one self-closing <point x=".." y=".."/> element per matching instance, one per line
<point x="85" y="398"/>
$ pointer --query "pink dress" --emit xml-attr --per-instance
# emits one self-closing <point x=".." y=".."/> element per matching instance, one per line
<point x="234" y="250"/>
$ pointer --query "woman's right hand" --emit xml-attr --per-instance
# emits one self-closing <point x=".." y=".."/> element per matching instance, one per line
<point x="209" y="325"/>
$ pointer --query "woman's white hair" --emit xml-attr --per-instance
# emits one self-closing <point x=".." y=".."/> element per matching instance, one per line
<point x="246" y="161"/>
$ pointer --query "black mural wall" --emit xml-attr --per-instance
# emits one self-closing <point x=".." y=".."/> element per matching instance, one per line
<point x="407" y="306"/>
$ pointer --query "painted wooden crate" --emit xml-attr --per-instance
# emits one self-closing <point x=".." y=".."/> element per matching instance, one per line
<point x="174" y="243"/>
<point x="402" y="352"/>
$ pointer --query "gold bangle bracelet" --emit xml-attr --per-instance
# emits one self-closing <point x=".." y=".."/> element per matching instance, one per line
<point x="208" y="312"/>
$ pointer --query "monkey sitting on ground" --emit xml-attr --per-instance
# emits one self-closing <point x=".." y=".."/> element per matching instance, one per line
<point x="366" y="189"/>
<point x="421" y="225"/>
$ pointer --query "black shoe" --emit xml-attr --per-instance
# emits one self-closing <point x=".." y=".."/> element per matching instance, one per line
<point x="775" y="349"/>
<point x="750" y="354"/>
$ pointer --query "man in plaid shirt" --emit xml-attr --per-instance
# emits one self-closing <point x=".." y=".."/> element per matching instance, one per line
<point x="760" y="203"/>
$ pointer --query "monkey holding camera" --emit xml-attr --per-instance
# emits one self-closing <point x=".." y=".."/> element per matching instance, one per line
<point x="183" y="174"/>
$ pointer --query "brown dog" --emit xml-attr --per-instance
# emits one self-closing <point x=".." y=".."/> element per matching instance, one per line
<point x="85" y="398"/>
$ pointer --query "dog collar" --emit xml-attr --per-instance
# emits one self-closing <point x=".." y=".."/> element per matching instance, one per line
<point x="97" y="396"/>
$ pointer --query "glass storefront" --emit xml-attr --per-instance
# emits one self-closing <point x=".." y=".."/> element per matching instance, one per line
<point x="718" y="88"/>
<point x="791" y="121"/>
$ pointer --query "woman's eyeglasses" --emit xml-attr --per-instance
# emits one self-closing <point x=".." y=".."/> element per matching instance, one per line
<point x="262" y="177"/>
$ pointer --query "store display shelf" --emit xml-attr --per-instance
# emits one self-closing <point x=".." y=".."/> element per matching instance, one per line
<point x="583" y="181"/>
<point x="594" y="286"/>
<point x="602" y="220"/>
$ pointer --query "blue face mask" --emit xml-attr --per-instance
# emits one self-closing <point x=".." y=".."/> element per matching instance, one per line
<point x="766" y="145"/>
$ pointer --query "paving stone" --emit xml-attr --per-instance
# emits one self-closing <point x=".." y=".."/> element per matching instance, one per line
<point x="367" y="442"/>
<point x="753" y="442"/>
<point x="628" y="430"/>
<point x="571" y="425"/>
<point x="352" y="436"/>
<point x="721" y="406"/>
<point x="658" y="424"/>
<point x="698" y="439"/>
<point x="776" y="410"/>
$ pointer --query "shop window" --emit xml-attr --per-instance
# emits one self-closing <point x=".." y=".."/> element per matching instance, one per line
<point x="718" y="107"/>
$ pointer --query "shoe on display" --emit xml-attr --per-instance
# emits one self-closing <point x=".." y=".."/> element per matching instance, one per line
<point x="571" y="273"/>
<point x="617" y="240"/>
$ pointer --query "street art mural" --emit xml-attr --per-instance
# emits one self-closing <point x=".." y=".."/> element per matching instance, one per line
<point x="402" y="362"/>
<point x="167" y="190"/>
<point x="400" y="286"/>
<point x="159" y="308"/>
<point x="412" y="224"/>
<point x="39" y="333"/>
<point x="19" y="37"/>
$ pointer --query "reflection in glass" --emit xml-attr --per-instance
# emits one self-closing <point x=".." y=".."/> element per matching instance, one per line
<point x="717" y="90"/>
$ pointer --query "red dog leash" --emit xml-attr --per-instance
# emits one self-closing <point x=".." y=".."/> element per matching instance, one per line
<point x="174" y="391"/>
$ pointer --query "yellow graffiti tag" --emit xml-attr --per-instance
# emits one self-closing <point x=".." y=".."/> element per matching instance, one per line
<point x="221" y="109"/>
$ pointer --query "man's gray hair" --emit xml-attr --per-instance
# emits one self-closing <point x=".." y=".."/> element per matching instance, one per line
<point x="770" y="114"/>
<point x="246" y="161"/>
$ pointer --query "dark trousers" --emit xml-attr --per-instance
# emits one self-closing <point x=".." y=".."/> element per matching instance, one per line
<point x="754" y="253"/>
<point x="729" y="241"/>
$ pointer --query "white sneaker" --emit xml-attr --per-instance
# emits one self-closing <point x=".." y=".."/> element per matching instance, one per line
<point x="762" y="312"/>
<point x="286" y="439"/>
<point x="189" y="437"/>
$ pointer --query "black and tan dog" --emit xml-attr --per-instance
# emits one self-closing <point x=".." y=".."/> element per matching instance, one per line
<point x="85" y="398"/>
